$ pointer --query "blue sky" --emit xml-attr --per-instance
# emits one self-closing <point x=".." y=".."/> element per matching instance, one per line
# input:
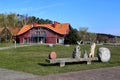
<point x="101" y="16"/>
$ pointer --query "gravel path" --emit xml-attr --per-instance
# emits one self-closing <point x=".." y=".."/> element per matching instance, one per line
<point x="95" y="74"/>
<point x="6" y="74"/>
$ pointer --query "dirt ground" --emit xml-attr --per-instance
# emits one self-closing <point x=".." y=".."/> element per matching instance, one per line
<point x="95" y="74"/>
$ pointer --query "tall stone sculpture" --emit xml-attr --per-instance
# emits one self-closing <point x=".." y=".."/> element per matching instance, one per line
<point x="76" y="52"/>
<point x="92" y="50"/>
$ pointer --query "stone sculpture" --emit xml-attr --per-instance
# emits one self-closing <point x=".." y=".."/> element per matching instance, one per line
<point x="79" y="42"/>
<point x="76" y="52"/>
<point x="104" y="54"/>
<point x="92" y="50"/>
<point x="85" y="55"/>
<point x="52" y="55"/>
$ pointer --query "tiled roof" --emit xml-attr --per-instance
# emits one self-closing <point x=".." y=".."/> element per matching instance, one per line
<point x="58" y="28"/>
<point x="13" y="30"/>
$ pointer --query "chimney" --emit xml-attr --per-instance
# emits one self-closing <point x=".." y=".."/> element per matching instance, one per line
<point x="34" y="24"/>
<point x="55" y="23"/>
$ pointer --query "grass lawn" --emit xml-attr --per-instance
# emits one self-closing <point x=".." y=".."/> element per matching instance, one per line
<point x="6" y="44"/>
<point x="9" y="44"/>
<point x="31" y="59"/>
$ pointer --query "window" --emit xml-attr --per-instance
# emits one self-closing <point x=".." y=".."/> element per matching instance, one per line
<point x="61" y="40"/>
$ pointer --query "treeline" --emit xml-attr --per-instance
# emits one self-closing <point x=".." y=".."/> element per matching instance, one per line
<point x="13" y="20"/>
<point x="82" y="36"/>
<point x="107" y="38"/>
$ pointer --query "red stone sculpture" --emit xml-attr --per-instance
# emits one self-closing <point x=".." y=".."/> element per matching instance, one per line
<point x="52" y="55"/>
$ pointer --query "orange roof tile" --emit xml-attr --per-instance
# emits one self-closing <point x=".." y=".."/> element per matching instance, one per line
<point x="58" y="28"/>
<point x="24" y="29"/>
<point x="15" y="30"/>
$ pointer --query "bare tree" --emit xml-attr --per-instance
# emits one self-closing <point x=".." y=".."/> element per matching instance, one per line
<point x="12" y="19"/>
<point x="86" y="36"/>
<point x="83" y="33"/>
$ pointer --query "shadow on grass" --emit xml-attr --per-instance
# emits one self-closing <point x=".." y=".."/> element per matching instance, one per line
<point x="81" y="62"/>
<point x="45" y="64"/>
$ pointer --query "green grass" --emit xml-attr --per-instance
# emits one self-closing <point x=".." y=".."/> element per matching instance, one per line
<point x="9" y="44"/>
<point x="6" y="44"/>
<point x="31" y="59"/>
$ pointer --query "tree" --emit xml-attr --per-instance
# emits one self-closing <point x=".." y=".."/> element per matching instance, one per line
<point x="5" y="35"/>
<point x="8" y="20"/>
<point x="86" y="36"/>
<point x="32" y="19"/>
<point x="104" y="38"/>
<point x="92" y="36"/>
<point x="72" y="37"/>
<point x="47" y="21"/>
<point x="83" y="34"/>
<point x="12" y="19"/>
<point x="23" y="19"/>
<point x="117" y="39"/>
<point x="3" y="20"/>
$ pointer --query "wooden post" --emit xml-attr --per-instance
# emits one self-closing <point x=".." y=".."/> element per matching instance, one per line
<point x="15" y="43"/>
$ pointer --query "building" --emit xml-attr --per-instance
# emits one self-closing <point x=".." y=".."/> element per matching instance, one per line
<point x="43" y="33"/>
<point x="7" y="33"/>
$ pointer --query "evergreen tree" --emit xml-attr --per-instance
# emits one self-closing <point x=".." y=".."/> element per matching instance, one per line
<point x="72" y="37"/>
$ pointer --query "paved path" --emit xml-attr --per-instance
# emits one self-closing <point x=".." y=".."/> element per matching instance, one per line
<point x="6" y="74"/>
<point x="96" y="74"/>
<point x="10" y="47"/>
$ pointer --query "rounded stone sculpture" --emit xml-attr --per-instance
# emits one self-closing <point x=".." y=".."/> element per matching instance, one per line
<point x="52" y="55"/>
<point x="104" y="54"/>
